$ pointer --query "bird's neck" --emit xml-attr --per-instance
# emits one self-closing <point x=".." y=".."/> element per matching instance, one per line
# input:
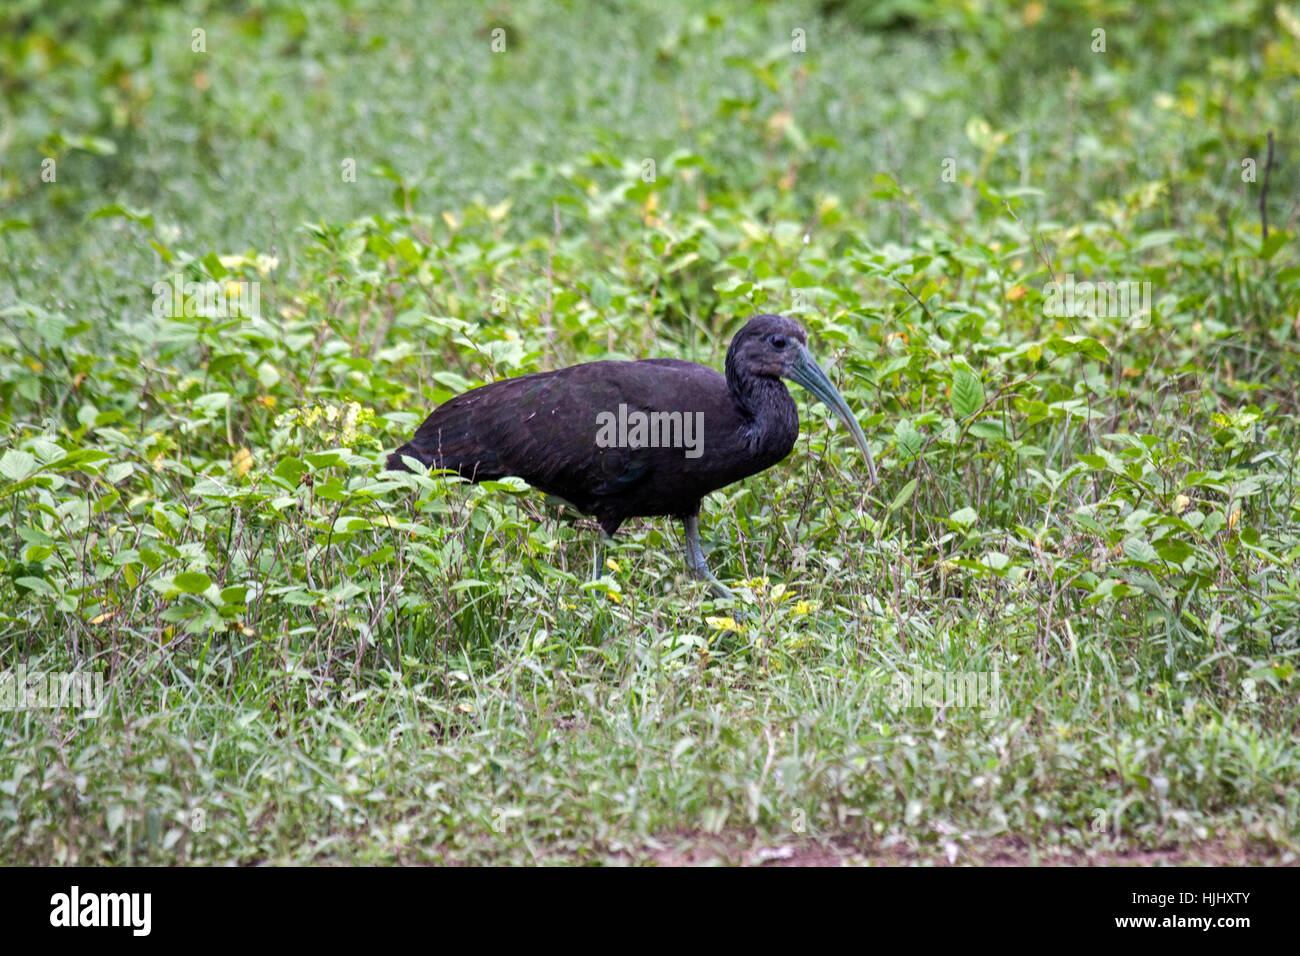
<point x="769" y="412"/>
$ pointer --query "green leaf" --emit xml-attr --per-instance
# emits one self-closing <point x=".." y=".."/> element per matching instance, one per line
<point x="1270" y="246"/>
<point x="1068" y="344"/>
<point x="17" y="465"/>
<point x="1159" y="237"/>
<point x="907" y="438"/>
<point x="995" y="560"/>
<point x="212" y="262"/>
<point x="37" y="584"/>
<point x="349" y="523"/>
<point x="1139" y="550"/>
<point x="93" y="144"/>
<point x="988" y="430"/>
<point x="965" y="517"/>
<point x="212" y="404"/>
<point x="322" y="460"/>
<point x="235" y="594"/>
<point x="903" y="496"/>
<point x="207" y="487"/>
<point x="1175" y="552"/>
<point x="601" y="296"/>
<point x="290" y="469"/>
<point x="457" y="383"/>
<point x="142" y="216"/>
<point x="967" y="392"/>
<point x="192" y="582"/>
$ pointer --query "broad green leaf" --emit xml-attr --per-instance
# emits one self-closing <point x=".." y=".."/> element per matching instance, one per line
<point x="37" y="584"/>
<point x="192" y="582"/>
<point x="350" y="523"/>
<point x="1138" y="549"/>
<point x="290" y="469"/>
<point x="967" y="393"/>
<point x="1270" y="246"/>
<point x="964" y="517"/>
<point x="17" y="465"/>
<point x="908" y="438"/>
<point x="235" y="594"/>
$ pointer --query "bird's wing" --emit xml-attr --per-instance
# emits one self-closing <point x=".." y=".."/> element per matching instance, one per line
<point x="544" y="428"/>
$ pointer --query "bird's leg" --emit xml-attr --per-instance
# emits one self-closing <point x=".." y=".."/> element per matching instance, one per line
<point x="598" y="556"/>
<point x="695" y="560"/>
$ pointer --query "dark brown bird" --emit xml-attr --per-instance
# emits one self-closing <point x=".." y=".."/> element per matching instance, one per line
<point x="623" y="440"/>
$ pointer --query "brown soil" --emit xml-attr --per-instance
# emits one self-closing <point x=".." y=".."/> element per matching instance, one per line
<point x="744" y="849"/>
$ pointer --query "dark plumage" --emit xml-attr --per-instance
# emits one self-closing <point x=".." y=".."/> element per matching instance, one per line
<point x="554" y="429"/>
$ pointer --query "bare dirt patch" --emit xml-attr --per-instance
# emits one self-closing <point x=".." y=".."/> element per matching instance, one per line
<point x="748" y="849"/>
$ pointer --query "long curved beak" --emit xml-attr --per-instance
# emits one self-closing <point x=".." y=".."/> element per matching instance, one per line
<point x="809" y="374"/>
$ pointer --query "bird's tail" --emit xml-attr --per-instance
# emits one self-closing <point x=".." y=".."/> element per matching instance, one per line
<point x="479" y="466"/>
<point x="410" y="450"/>
<point x="452" y="437"/>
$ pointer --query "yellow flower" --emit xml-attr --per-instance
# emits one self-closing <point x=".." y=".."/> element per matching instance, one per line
<point x="242" y="462"/>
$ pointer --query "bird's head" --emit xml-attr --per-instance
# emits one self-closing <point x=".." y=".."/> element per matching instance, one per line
<point x="772" y="346"/>
<point x="768" y="346"/>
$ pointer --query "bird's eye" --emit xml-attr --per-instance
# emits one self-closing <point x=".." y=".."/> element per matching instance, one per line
<point x="776" y="341"/>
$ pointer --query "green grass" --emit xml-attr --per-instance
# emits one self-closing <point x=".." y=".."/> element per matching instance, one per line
<point x="308" y="661"/>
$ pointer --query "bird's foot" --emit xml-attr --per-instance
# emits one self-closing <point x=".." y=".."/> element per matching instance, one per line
<point x="720" y="590"/>
<point x="699" y="568"/>
<point x="723" y="593"/>
<point x="742" y="615"/>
